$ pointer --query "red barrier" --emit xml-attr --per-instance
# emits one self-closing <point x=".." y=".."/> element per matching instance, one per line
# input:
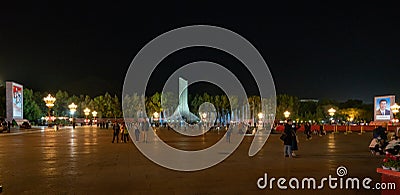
<point x="341" y="128"/>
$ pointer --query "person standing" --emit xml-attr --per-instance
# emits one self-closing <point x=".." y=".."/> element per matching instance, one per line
<point x="288" y="139"/>
<point x="121" y="131"/>
<point x="145" y="129"/>
<point x="137" y="132"/>
<point x="115" y="131"/>
<point x="8" y="127"/>
<point x="295" y="140"/>
<point x="228" y="134"/>
<point x="125" y="131"/>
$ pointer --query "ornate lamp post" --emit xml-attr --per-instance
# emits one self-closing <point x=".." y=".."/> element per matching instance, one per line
<point x="94" y="114"/>
<point x="155" y="117"/>
<point x="331" y="113"/>
<point x="203" y="116"/>
<point x="260" y="118"/>
<point x="72" y="109"/>
<point x="395" y="109"/>
<point x="86" y="111"/>
<point x="286" y="114"/>
<point x="49" y="100"/>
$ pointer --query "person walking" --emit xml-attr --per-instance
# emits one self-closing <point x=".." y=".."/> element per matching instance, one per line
<point x="115" y="131"/>
<point x="307" y="130"/>
<point x="321" y="129"/>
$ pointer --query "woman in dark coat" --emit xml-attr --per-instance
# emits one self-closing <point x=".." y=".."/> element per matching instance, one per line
<point x="288" y="139"/>
<point x="294" y="138"/>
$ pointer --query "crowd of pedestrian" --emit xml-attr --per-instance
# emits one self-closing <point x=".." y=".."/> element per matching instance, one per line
<point x="290" y="138"/>
<point x="121" y="133"/>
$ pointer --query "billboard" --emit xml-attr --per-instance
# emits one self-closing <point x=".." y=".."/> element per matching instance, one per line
<point x="15" y="101"/>
<point x="382" y="105"/>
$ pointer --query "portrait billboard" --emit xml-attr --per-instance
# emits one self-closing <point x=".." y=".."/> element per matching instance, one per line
<point x="382" y="105"/>
<point x="14" y="101"/>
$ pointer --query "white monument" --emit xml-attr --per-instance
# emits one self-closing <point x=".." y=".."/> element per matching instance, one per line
<point x="182" y="112"/>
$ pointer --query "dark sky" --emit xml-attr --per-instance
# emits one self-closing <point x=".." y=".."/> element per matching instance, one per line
<point x="314" y="50"/>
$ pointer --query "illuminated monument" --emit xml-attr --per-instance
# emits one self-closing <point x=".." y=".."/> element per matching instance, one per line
<point x="182" y="112"/>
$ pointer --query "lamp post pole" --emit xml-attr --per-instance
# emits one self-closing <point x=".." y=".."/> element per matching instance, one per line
<point x="94" y="114"/>
<point x="286" y="114"/>
<point x="49" y="100"/>
<point x="331" y="112"/>
<point x="86" y="111"/>
<point x="72" y="109"/>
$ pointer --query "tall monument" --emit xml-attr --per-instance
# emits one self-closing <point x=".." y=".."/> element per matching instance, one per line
<point x="182" y="112"/>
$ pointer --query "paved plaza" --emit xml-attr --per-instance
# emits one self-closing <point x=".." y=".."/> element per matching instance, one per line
<point x="84" y="161"/>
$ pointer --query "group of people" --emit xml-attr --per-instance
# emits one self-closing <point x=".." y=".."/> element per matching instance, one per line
<point x="379" y="140"/>
<point x="103" y="125"/>
<point x="120" y="129"/>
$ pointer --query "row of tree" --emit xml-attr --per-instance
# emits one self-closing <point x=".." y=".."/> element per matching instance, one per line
<point x="108" y="106"/>
<point x="351" y="110"/>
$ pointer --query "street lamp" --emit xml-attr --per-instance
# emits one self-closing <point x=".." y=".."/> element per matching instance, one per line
<point x="156" y="115"/>
<point x="72" y="109"/>
<point x="395" y="109"/>
<point x="260" y="118"/>
<point x="286" y="114"/>
<point x="94" y="114"/>
<point x="204" y="115"/>
<point x="86" y="111"/>
<point x="331" y="112"/>
<point x="49" y="100"/>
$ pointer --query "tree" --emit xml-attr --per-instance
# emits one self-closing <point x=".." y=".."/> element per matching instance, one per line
<point x="307" y="110"/>
<point x="116" y="107"/>
<point x="287" y="103"/>
<point x="195" y="104"/>
<point x="2" y="100"/>
<point x="61" y="105"/>
<point x="153" y="104"/>
<point x="32" y="111"/>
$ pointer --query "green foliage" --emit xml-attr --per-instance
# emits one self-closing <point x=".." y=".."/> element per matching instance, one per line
<point x="2" y="100"/>
<point x="108" y="106"/>
<point x="32" y="111"/>
<point x="287" y="103"/>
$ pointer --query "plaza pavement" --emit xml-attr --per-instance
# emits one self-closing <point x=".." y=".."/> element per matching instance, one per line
<point x="84" y="161"/>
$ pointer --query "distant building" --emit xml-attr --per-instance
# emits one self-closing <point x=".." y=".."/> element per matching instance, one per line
<point x="309" y="100"/>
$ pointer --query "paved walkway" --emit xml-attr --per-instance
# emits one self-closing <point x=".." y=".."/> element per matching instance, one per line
<point x="84" y="161"/>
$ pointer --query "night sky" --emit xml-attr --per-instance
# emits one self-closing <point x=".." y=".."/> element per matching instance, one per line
<point x="336" y="51"/>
